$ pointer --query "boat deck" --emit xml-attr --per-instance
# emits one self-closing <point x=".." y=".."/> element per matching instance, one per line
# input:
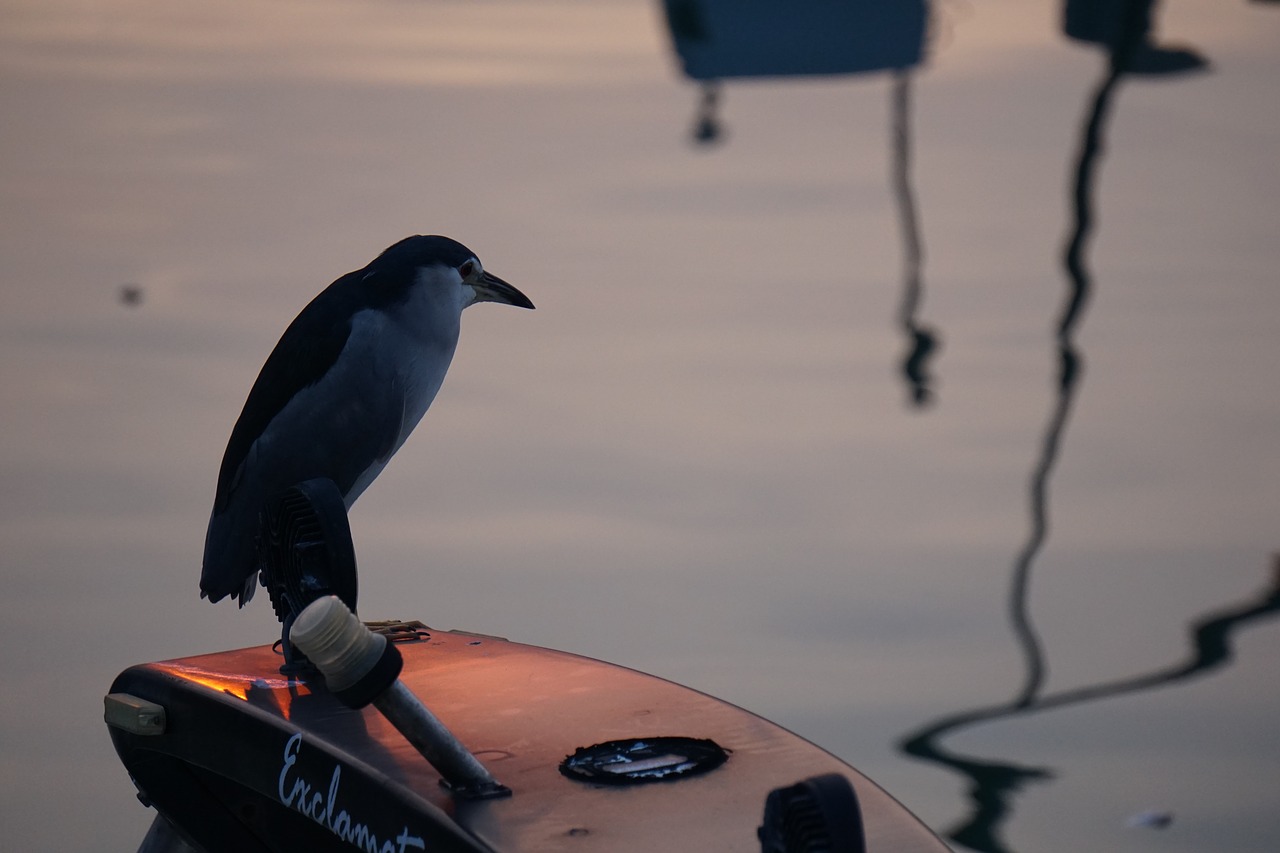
<point x="258" y="761"/>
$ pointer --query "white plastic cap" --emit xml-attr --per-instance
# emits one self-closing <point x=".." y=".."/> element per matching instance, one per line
<point x="337" y="642"/>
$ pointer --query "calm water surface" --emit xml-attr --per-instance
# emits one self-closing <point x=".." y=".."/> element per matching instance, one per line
<point x="931" y="415"/>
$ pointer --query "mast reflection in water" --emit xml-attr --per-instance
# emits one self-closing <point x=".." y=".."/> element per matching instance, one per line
<point x="742" y="39"/>
<point x="1125" y="30"/>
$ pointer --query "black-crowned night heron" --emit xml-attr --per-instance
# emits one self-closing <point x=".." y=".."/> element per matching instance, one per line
<point x="348" y="381"/>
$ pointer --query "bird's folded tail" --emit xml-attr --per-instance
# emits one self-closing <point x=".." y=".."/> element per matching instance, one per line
<point x="243" y="595"/>
<point x="230" y="562"/>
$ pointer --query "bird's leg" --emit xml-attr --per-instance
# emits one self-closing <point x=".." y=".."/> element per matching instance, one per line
<point x="295" y="662"/>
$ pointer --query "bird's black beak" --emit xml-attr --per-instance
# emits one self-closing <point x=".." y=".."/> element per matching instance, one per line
<point x="490" y="288"/>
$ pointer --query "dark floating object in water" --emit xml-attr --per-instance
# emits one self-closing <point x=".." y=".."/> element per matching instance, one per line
<point x="131" y="295"/>
<point x="1151" y="819"/>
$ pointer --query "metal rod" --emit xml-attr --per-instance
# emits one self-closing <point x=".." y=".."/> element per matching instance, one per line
<point x="462" y="771"/>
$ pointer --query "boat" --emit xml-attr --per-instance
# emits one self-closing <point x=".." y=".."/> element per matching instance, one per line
<point x="234" y="755"/>
<point x="393" y="736"/>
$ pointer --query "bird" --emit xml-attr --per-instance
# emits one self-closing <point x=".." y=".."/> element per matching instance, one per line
<point x="350" y="378"/>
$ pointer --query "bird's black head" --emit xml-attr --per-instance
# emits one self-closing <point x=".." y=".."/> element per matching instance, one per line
<point x="424" y="251"/>
<point x="403" y="262"/>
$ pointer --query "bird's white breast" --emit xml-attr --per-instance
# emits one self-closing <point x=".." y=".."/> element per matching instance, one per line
<point x="405" y="360"/>
<point x="405" y="354"/>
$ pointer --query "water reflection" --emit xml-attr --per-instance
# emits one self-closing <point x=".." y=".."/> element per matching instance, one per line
<point x="1106" y="23"/>
<point x="992" y="783"/>
<point x="922" y="341"/>
<point x="719" y="39"/>
<point x="1125" y="30"/>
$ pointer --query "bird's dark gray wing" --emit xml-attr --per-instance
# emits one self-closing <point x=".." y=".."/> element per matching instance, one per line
<point x="307" y="349"/>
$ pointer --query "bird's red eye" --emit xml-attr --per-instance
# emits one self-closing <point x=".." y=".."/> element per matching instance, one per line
<point x="467" y="268"/>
